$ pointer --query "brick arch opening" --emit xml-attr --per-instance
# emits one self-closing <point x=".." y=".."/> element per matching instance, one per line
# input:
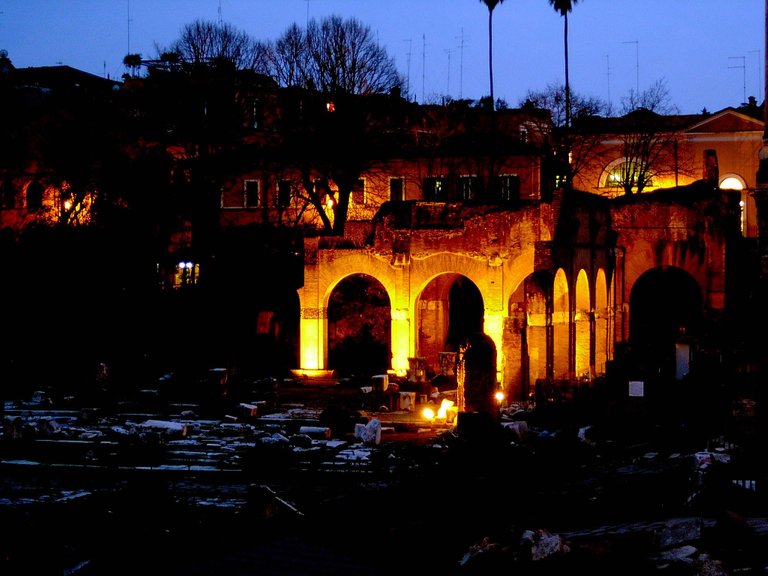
<point x="449" y="310"/>
<point x="666" y="308"/>
<point x="359" y="326"/>
<point x="525" y="337"/>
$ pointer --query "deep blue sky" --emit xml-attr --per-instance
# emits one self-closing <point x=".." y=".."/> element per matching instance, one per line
<point x="709" y="52"/>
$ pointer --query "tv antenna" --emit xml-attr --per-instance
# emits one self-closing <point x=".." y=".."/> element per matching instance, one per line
<point x="461" y="62"/>
<point x="608" y="76"/>
<point x="408" y="69"/>
<point x="759" y="75"/>
<point x="637" y="63"/>
<point x="128" y="16"/>
<point x="448" y="85"/>
<point x="219" y="11"/>
<point x="743" y="67"/>
<point x="423" y="63"/>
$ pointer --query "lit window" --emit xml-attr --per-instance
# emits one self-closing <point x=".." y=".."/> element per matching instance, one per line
<point x="434" y="189"/>
<point x="186" y="274"/>
<point x="620" y="173"/>
<point x="731" y="183"/>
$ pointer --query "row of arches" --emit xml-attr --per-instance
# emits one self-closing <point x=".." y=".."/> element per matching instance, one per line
<point x="555" y="329"/>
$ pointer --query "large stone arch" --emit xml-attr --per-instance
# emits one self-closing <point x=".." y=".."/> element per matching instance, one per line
<point x="404" y="282"/>
<point x="668" y="310"/>
<point x="323" y="270"/>
<point x="449" y="310"/>
<point x="485" y="273"/>
<point x="668" y="235"/>
<point x="359" y="326"/>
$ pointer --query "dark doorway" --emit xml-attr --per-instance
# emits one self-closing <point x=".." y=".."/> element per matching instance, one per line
<point x="665" y="309"/>
<point x="359" y="325"/>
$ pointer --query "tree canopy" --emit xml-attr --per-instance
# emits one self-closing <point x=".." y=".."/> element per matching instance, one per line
<point x="333" y="56"/>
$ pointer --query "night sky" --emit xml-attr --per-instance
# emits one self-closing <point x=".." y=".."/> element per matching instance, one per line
<point x="709" y="52"/>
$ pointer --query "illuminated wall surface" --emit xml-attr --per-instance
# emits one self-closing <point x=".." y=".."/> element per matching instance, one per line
<point x="558" y="323"/>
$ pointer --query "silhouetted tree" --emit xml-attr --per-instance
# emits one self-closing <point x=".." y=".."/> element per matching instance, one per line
<point x="649" y="144"/>
<point x="578" y="149"/>
<point x="334" y="56"/>
<point x="202" y="42"/>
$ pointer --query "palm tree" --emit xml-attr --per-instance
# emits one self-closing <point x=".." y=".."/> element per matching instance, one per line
<point x="564" y="7"/>
<point x="491" y="4"/>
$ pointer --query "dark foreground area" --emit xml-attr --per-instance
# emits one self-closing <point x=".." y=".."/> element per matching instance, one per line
<point x="537" y="492"/>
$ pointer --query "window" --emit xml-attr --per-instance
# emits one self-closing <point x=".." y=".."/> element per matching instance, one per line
<point x="509" y="187"/>
<point x="187" y="274"/>
<point x="468" y="186"/>
<point x="435" y="189"/>
<point x="251" y="194"/>
<point x="283" y="199"/>
<point x="621" y="171"/>
<point x="34" y="196"/>
<point x="396" y="189"/>
<point x="358" y="192"/>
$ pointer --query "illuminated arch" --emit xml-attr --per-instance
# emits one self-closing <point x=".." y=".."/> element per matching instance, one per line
<point x="608" y="175"/>
<point x="359" y="325"/>
<point x="560" y="324"/>
<point x="747" y="208"/>
<point x="731" y="181"/>
<point x="603" y="335"/>
<point x="582" y="324"/>
<point x="448" y="309"/>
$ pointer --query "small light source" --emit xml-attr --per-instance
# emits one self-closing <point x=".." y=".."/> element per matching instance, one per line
<point x="67" y="205"/>
<point x="428" y="414"/>
<point x="499" y="396"/>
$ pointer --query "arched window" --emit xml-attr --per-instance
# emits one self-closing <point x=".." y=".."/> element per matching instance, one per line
<point x="747" y="208"/>
<point x="618" y="172"/>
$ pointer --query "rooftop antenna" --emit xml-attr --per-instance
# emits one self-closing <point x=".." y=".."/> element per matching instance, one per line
<point x="423" y="63"/>
<point x="461" y="63"/>
<point x="637" y="63"/>
<point x="743" y="67"/>
<point x="408" y="68"/>
<point x="448" y="85"/>
<point x="220" y="19"/>
<point x="759" y="76"/>
<point x="608" y="76"/>
<point x="128" y="15"/>
<point x="307" y="1"/>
